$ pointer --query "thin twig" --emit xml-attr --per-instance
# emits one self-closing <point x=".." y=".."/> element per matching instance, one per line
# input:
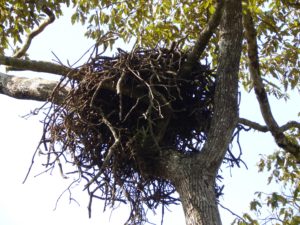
<point x="232" y="212"/>
<point x="109" y="154"/>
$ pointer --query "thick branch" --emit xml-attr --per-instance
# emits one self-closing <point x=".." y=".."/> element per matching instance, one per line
<point x="21" y="52"/>
<point x="225" y="101"/>
<point x="203" y="40"/>
<point x="290" y="125"/>
<point x="39" y="66"/>
<point x="261" y="95"/>
<point x="256" y="126"/>
<point x="30" y="88"/>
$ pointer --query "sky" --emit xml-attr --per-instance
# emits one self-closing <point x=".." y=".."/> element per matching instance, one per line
<point x="33" y="203"/>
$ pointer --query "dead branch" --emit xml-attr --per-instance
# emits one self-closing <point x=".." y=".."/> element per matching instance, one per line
<point x="123" y="112"/>
<point x="109" y="154"/>
<point x="261" y="94"/>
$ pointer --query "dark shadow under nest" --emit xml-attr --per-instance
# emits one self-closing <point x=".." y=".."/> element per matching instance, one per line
<point x="124" y="109"/>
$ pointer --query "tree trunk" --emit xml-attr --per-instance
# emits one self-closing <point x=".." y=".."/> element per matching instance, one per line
<point x="198" y="198"/>
<point x="194" y="175"/>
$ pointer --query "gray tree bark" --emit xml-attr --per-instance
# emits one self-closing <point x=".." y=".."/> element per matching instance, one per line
<point x="194" y="176"/>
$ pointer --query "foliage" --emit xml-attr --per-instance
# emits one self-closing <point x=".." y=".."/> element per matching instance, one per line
<point x="163" y="22"/>
<point x="20" y="17"/>
<point x="284" y="204"/>
<point x="278" y="33"/>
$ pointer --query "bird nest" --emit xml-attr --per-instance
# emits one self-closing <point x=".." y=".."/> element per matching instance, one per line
<point x="120" y="113"/>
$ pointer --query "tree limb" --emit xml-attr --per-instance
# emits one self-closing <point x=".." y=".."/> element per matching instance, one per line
<point x="253" y="125"/>
<point x="39" y="66"/>
<point x="226" y="95"/>
<point x="256" y="126"/>
<point x="22" y="51"/>
<point x="261" y="94"/>
<point x="289" y="125"/>
<point x="203" y="40"/>
<point x="30" y="88"/>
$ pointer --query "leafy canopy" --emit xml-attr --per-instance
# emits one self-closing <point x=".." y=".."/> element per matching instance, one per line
<point x="161" y="22"/>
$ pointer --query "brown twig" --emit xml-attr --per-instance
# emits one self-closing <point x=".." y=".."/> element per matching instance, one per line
<point x="117" y="155"/>
<point x="109" y="154"/>
<point x="233" y="213"/>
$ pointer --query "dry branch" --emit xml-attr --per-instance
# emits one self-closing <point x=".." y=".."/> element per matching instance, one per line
<point x="121" y="115"/>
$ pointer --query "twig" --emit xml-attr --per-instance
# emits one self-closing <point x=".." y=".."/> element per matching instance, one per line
<point x="232" y="212"/>
<point x="70" y="193"/>
<point x="32" y="162"/>
<point x="109" y="154"/>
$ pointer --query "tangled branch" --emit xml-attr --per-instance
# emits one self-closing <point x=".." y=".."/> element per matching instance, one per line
<point x="118" y="117"/>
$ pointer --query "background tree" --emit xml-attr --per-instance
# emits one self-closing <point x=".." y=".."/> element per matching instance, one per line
<point x="161" y="162"/>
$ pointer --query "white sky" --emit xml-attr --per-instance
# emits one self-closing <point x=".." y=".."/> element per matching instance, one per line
<point x="32" y="203"/>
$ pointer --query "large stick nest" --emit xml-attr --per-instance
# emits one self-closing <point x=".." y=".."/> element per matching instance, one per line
<point x="118" y="116"/>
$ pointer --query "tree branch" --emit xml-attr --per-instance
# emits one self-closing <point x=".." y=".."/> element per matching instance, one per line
<point x="253" y="125"/>
<point x="290" y="125"/>
<point x="203" y="40"/>
<point x="22" y="51"/>
<point x="261" y="95"/>
<point x="30" y="88"/>
<point x="256" y="126"/>
<point x="40" y="66"/>
<point x="226" y="95"/>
